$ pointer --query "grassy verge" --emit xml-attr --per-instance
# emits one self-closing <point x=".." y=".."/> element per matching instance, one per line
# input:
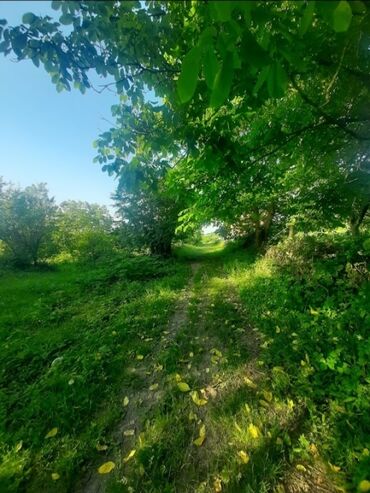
<point x="69" y="337"/>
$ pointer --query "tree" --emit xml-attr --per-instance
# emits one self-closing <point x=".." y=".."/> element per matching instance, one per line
<point x="242" y="90"/>
<point x="80" y="224"/>
<point x="26" y="221"/>
<point x="149" y="219"/>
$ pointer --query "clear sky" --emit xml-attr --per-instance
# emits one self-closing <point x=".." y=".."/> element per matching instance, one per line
<point x="47" y="136"/>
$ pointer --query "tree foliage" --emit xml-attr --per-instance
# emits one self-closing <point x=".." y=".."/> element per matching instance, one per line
<point x="262" y="107"/>
<point x="26" y="221"/>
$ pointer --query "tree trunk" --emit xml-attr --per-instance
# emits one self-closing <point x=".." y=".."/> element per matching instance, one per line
<point x="258" y="235"/>
<point x="267" y="224"/>
<point x="356" y="220"/>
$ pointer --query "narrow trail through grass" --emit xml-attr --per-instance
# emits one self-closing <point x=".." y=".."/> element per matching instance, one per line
<point x="205" y="418"/>
<point x="154" y="385"/>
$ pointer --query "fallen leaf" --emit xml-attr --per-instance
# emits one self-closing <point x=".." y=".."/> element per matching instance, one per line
<point x="107" y="467"/>
<point x="100" y="448"/>
<point x="177" y="377"/>
<point x="217" y="485"/>
<point x="51" y="433"/>
<point x="129" y="433"/>
<point x="129" y="455"/>
<point x="139" y="357"/>
<point x="154" y="386"/>
<point x="253" y="431"/>
<point x="313" y="449"/>
<point x="290" y="404"/>
<point x="300" y="467"/>
<point x="55" y="476"/>
<point x="364" y="486"/>
<point x="126" y="400"/>
<point x="183" y="386"/>
<point x="334" y="468"/>
<point x="250" y="383"/>
<point x="244" y="457"/>
<point x="267" y="396"/>
<point x="197" y="400"/>
<point x="202" y="436"/>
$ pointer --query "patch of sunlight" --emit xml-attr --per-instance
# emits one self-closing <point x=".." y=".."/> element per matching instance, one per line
<point x="199" y="251"/>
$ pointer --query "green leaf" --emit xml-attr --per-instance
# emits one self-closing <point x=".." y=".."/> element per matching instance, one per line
<point x="28" y="18"/>
<point x="223" y="10"/>
<point x="188" y="79"/>
<point x="66" y="19"/>
<point x="254" y="54"/>
<point x="223" y="80"/>
<point x="307" y="17"/>
<point x="342" y="17"/>
<point x="277" y="81"/>
<point x="210" y="66"/>
<point x="206" y="38"/>
<point x="19" y="43"/>
<point x="261" y="79"/>
<point x="56" y="5"/>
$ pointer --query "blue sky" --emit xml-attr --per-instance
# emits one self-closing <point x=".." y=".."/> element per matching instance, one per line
<point x="47" y="136"/>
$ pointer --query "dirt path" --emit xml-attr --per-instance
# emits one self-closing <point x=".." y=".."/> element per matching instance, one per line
<point x="219" y="356"/>
<point x="140" y="402"/>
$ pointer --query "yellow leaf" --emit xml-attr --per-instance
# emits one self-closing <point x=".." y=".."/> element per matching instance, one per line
<point x="129" y="455"/>
<point x="183" y="386"/>
<point x="154" y="386"/>
<point x="107" y="467"/>
<point x="237" y="427"/>
<point x="177" y="377"/>
<point x="139" y="357"/>
<point x="253" y="431"/>
<point x="244" y="457"/>
<point x="125" y="401"/>
<point x="217" y="485"/>
<point x="250" y="383"/>
<point x="313" y="449"/>
<point x="290" y="404"/>
<point x="364" y="486"/>
<point x="334" y="468"/>
<point x="129" y="433"/>
<point x="198" y="401"/>
<point x="199" y="441"/>
<point x="100" y="448"/>
<point x="52" y="433"/>
<point x="267" y="395"/>
<point x="202" y="436"/>
<point x="192" y="416"/>
<point x="300" y="467"/>
<point x="55" y="476"/>
<point x="216" y="352"/>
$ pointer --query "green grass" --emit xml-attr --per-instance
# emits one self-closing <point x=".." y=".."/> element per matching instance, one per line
<point x="68" y="339"/>
<point x="279" y="342"/>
